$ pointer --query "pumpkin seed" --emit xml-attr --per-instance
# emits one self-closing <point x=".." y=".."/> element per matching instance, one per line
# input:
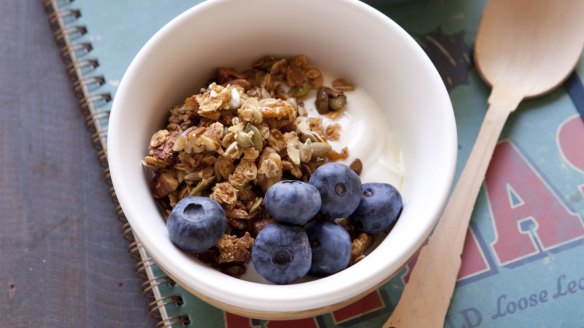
<point x="256" y="136"/>
<point x="337" y="103"/>
<point x="322" y="101"/>
<point x="202" y="186"/>
<point x="320" y="149"/>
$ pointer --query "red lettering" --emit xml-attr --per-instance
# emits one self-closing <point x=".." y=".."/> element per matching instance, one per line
<point x="571" y="142"/>
<point x="308" y="323"/>
<point x="517" y="193"/>
<point x="473" y="258"/>
<point x="367" y="304"/>
<point x="237" y="321"/>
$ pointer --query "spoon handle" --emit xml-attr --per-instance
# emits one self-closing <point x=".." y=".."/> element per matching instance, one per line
<point x="427" y="294"/>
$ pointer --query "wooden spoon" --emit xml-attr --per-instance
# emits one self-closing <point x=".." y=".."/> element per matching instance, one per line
<point x="524" y="48"/>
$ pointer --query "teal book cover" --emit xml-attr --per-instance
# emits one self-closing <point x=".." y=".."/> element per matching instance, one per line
<point x="523" y="264"/>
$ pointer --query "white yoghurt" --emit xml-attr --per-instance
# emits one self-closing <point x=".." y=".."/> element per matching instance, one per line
<point x="367" y="134"/>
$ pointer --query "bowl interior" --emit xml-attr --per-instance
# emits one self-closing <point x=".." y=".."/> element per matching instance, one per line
<point x="344" y="38"/>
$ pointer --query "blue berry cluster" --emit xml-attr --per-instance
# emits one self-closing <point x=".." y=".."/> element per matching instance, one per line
<point x="301" y="243"/>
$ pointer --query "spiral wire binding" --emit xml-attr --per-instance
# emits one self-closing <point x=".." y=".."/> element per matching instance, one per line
<point x="78" y="69"/>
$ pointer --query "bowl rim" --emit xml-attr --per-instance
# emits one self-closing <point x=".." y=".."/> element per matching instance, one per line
<point x="275" y="298"/>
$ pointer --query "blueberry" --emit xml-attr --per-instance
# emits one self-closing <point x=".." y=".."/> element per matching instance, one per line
<point x="380" y="206"/>
<point x="196" y="223"/>
<point x="281" y="253"/>
<point x="331" y="247"/>
<point x="339" y="187"/>
<point x="292" y="201"/>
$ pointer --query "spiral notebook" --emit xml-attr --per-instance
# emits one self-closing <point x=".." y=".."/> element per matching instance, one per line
<point x="524" y="253"/>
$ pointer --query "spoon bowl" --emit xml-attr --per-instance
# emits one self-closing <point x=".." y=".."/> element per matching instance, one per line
<point x="529" y="47"/>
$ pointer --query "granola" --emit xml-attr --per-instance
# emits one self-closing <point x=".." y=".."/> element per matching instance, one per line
<point x="333" y="131"/>
<point x="234" y="249"/>
<point x="360" y="245"/>
<point x="238" y="136"/>
<point x="357" y="166"/>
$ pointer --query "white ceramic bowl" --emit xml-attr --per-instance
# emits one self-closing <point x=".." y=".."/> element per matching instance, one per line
<point x="343" y="37"/>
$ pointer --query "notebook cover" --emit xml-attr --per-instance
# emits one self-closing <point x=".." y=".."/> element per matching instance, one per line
<point x="523" y="264"/>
